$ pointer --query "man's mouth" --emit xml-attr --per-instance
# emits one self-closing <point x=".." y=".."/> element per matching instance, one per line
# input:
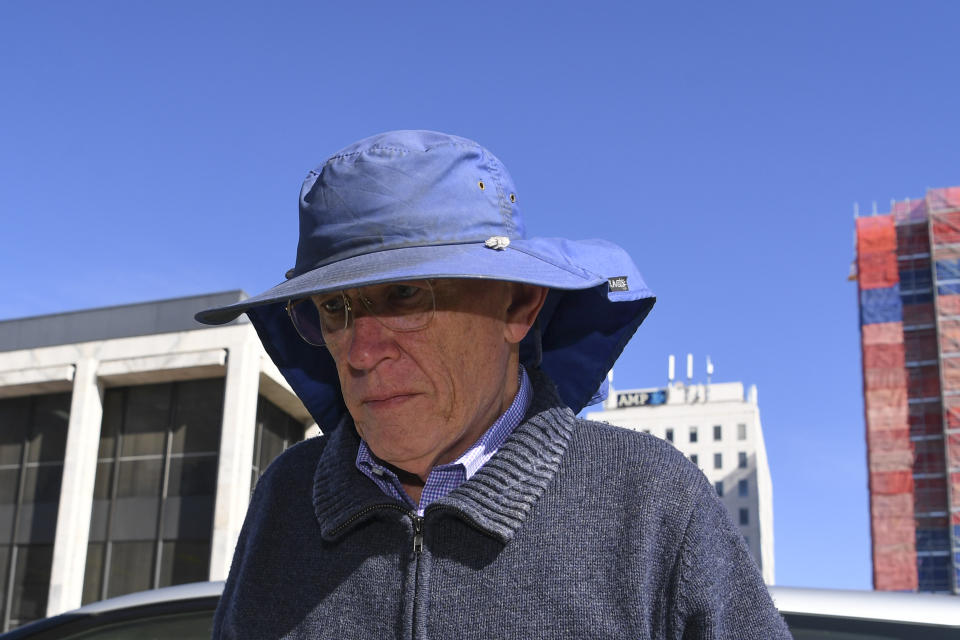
<point x="388" y="401"/>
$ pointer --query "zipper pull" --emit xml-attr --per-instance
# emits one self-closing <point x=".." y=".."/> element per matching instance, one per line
<point x="417" y="534"/>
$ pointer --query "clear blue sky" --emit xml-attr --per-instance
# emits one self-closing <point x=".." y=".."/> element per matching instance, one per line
<point x="152" y="150"/>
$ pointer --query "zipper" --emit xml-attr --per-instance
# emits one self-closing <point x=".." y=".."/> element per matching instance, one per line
<point x="417" y="552"/>
<point x="417" y="533"/>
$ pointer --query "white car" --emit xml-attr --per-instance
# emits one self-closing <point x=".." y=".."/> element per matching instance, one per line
<point x="185" y="612"/>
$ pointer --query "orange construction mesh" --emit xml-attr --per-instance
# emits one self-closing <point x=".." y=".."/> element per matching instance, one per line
<point x="887" y="439"/>
<point x="946" y="228"/>
<point x="880" y="356"/>
<point x="877" y="269"/>
<point x="885" y="398"/>
<point x="882" y="333"/>
<point x="874" y="234"/>
<point x="949" y="335"/>
<point x="894" y="459"/>
<point x="894" y="541"/>
<point x="884" y="379"/>
<point x="891" y="482"/>
<point x="886" y="419"/>
<point x="943" y="199"/>
<point x="949" y="305"/>
<point x="953" y="450"/>
<point x="952" y="412"/>
<point x="951" y="373"/>
<point x="896" y="570"/>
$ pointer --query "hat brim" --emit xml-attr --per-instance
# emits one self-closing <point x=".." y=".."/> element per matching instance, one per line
<point x="547" y="262"/>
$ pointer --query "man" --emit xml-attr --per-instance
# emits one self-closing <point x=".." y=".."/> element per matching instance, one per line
<point x="455" y="494"/>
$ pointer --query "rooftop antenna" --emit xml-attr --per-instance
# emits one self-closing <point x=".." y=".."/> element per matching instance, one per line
<point x="856" y="210"/>
<point x="709" y="373"/>
<point x="671" y="368"/>
<point x="610" y="402"/>
<point x="689" y="368"/>
<point x="874" y="207"/>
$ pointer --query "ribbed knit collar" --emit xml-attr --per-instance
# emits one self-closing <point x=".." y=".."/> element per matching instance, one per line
<point x="496" y="499"/>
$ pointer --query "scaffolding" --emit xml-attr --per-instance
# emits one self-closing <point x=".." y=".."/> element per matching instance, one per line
<point x="908" y="270"/>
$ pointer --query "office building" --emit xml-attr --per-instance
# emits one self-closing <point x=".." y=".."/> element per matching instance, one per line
<point x="718" y="428"/>
<point x="130" y="440"/>
<point x="908" y="277"/>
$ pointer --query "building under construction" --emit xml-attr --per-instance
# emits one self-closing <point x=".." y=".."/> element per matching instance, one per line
<point x="908" y="273"/>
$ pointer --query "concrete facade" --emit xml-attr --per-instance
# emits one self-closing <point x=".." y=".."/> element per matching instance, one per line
<point x="718" y="427"/>
<point x="86" y="352"/>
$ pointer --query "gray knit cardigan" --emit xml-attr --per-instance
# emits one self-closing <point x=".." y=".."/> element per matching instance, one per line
<point x="574" y="529"/>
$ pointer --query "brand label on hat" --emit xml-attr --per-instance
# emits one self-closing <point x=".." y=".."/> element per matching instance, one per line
<point x="618" y="284"/>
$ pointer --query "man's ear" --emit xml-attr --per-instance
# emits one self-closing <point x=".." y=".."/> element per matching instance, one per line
<point x="526" y="300"/>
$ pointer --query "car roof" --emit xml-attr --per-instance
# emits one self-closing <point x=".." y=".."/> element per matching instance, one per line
<point x="895" y="606"/>
<point x="155" y="596"/>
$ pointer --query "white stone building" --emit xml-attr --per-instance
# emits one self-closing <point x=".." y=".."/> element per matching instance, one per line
<point x="130" y="438"/>
<point x="718" y="428"/>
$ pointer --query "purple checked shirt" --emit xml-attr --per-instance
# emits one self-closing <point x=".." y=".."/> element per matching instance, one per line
<point x="446" y="477"/>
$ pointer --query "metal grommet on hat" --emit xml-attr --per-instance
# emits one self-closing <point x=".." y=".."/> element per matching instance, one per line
<point x="481" y="185"/>
<point x="497" y="242"/>
<point x="513" y="198"/>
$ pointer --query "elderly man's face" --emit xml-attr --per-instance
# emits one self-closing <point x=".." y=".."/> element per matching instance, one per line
<point x="420" y="398"/>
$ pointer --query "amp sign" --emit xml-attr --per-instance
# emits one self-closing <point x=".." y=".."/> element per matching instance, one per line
<point x="640" y="398"/>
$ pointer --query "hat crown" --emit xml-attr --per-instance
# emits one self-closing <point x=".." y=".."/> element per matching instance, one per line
<point x="404" y="189"/>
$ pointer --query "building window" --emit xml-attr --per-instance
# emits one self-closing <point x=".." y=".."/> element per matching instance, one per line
<point x="718" y="461"/>
<point x="693" y="434"/>
<point x="719" y="487"/>
<point x="155" y="487"/>
<point x="741" y="431"/>
<point x="276" y="431"/>
<point x="717" y="432"/>
<point x="669" y="435"/>
<point x="33" y="436"/>
<point x="744" y="516"/>
<point x="742" y="460"/>
<point x="743" y="488"/>
<point x="693" y="458"/>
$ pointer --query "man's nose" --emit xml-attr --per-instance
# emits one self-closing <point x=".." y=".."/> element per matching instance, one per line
<point x="369" y="342"/>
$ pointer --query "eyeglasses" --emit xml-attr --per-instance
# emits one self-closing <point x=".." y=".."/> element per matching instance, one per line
<point x="398" y="306"/>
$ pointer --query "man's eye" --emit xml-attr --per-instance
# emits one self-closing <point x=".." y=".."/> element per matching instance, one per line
<point x="404" y="291"/>
<point x="331" y="305"/>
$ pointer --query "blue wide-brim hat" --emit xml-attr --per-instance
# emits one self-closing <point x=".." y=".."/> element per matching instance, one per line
<point x="419" y="204"/>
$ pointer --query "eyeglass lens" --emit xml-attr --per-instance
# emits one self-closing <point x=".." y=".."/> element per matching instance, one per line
<point x="399" y="306"/>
